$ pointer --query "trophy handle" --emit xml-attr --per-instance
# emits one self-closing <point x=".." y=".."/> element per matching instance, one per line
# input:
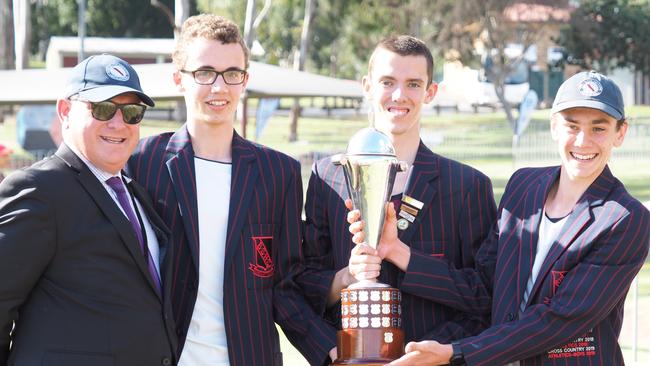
<point x="342" y="160"/>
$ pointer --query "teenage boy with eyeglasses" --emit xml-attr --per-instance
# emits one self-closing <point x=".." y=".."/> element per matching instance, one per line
<point x="234" y="210"/>
<point x="84" y="258"/>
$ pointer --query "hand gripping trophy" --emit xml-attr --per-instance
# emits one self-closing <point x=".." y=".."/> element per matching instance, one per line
<point x="370" y="311"/>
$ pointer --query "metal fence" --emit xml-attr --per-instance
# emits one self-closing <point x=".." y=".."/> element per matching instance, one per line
<point x="534" y="145"/>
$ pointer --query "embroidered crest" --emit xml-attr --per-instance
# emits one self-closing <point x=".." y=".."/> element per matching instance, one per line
<point x="558" y="277"/>
<point x="262" y="266"/>
<point x="117" y="72"/>
<point x="590" y="87"/>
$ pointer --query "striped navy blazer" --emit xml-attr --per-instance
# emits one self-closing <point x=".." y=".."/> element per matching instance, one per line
<point x="458" y="212"/>
<point x="262" y="246"/>
<point x="574" y="313"/>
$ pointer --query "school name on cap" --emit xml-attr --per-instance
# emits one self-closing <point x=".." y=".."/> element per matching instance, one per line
<point x="117" y="72"/>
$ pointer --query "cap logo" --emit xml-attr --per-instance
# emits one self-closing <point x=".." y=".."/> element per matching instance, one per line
<point x="590" y="87"/>
<point x="117" y="72"/>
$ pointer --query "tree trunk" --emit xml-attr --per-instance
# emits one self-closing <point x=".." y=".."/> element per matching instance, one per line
<point x="7" y="55"/>
<point x="499" y="88"/>
<point x="23" y="29"/>
<point x="299" y="64"/>
<point x="249" y="31"/>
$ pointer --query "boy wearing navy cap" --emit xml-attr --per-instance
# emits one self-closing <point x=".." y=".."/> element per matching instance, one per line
<point x="568" y="242"/>
<point x="84" y="259"/>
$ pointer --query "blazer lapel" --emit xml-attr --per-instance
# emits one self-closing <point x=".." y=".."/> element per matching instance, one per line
<point x="421" y="187"/>
<point x="103" y="200"/>
<point x="180" y="165"/>
<point x="577" y="222"/>
<point x="528" y="230"/>
<point x="244" y="179"/>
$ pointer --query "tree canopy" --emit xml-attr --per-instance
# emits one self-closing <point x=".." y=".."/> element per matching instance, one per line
<point x="603" y="34"/>
<point x="104" y="18"/>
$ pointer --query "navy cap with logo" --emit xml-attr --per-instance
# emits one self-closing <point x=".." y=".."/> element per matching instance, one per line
<point x="590" y="89"/>
<point x="102" y="77"/>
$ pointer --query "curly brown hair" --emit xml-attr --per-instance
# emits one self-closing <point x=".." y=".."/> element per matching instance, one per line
<point x="208" y="26"/>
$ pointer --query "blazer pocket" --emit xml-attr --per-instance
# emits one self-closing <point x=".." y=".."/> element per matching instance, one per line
<point x="67" y="358"/>
<point x="434" y="248"/>
<point x="260" y="251"/>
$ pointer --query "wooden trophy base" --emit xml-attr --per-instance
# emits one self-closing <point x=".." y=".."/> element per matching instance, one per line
<point x="370" y="347"/>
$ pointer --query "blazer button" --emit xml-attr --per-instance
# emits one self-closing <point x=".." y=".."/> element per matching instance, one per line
<point x="166" y="361"/>
<point x="510" y="317"/>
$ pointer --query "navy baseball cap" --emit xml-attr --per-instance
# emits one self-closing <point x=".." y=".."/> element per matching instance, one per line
<point x="590" y="89"/>
<point x="102" y="77"/>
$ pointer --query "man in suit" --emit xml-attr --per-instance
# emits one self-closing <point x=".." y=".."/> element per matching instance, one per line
<point x="447" y="208"/>
<point x="83" y="255"/>
<point x="555" y="270"/>
<point x="234" y="211"/>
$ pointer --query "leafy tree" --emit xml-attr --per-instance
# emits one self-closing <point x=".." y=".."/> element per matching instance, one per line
<point x="345" y="32"/>
<point x="490" y="22"/>
<point x="603" y="34"/>
<point x="104" y="18"/>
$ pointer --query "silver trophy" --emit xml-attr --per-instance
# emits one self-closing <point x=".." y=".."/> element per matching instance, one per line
<point x="370" y="311"/>
<point x="370" y="166"/>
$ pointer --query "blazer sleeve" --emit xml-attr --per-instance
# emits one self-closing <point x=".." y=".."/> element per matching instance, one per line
<point x="318" y="274"/>
<point x="471" y="292"/>
<point x="27" y="243"/>
<point x="307" y="331"/>
<point x="588" y="294"/>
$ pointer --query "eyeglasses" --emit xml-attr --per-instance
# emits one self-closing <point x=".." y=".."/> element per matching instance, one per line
<point x="208" y="77"/>
<point x="132" y="113"/>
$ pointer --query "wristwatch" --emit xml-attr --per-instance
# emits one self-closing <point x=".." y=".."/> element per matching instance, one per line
<point x="457" y="356"/>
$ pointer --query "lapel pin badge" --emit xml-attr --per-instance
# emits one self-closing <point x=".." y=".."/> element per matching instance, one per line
<point x="412" y="202"/>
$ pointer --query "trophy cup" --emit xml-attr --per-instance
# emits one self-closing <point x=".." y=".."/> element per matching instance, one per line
<point x="370" y="311"/>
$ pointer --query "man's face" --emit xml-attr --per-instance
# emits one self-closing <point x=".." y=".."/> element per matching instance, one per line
<point x="585" y="139"/>
<point x="106" y="144"/>
<point x="397" y="88"/>
<point x="214" y="104"/>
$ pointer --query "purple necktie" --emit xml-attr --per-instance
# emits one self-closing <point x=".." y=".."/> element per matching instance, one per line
<point x="123" y="198"/>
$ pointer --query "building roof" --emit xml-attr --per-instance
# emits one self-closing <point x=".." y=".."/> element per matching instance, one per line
<point x="536" y="13"/>
<point x="38" y="86"/>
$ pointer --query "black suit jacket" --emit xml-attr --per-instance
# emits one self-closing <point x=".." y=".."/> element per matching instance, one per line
<point x="74" y="280"/>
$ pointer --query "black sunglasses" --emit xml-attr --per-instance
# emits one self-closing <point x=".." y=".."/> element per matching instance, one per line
<point x="132" y="113"/>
